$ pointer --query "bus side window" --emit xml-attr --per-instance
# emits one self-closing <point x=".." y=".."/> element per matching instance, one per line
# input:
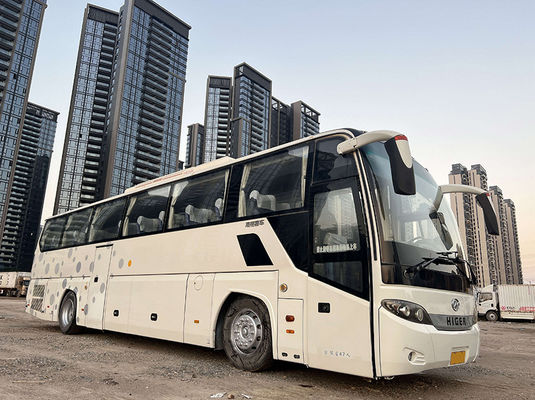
<point x="198" y="201"/>
<point x="275" y="183"/>
<point x="107" y="220"/>
<point x="76" y="228"/>
<point x="330" y="165"/>
<point x="51" y="237"/>
<point x="146" y="212"/>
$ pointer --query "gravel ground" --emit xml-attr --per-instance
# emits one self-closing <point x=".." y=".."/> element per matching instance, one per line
<point x="38" y="362"/>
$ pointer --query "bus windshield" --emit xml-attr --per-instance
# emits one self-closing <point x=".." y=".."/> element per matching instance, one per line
<point x="416" y="229"/>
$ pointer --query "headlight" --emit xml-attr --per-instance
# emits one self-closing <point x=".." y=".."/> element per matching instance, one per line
<point x="407" y="310"/>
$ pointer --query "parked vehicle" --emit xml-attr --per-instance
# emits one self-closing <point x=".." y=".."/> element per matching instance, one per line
<point x="14" y="283"/>
<point x="335" y="251"/>
<point x="507" y="302"/>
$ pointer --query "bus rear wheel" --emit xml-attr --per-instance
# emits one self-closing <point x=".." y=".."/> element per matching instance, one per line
<point x="67" y="314"/>
<point x="491" y="316"/>
<point x="247" y="335"/>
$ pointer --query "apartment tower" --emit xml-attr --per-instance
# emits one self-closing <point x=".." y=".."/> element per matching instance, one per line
<point x="476" y="241"/>
<point x="194" y="145"/>
<point x="251" y="111"/>
<point x="217" y="117"/>
<point x="126" y="106"/>
<point x="20" y="28"/>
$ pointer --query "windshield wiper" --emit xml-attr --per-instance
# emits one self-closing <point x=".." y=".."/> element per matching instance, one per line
<point x="442" y="257"/>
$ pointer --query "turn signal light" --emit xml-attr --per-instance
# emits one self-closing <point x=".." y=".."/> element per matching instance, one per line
<point x="290" y="318"/>
<point x="291" y="331"/>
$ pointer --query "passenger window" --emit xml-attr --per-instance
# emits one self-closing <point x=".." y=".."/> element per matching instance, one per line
<point x="330" y="165"/>
<point x="335" y="231"/>
<point x="198" y="201"/>
<point x="335" y="222"/>
<point x="275" y="183"/>
<point x="76" y="228"/>
<point x="106" y="222"/>
<point x="51" y="237"/>
<point x="146" y="212"/>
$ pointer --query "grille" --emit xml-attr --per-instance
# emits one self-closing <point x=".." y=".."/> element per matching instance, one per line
<point x="37" y="304"/>
<point x="39" y="291"/>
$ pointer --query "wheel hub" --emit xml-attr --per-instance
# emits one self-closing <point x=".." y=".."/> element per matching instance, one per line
<point x="246" y="331"/>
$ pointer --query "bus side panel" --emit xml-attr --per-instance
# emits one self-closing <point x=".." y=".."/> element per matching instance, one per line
<point x="118" y="298"/>
<point x="338" y="334"/>
<point x="262" y="285"/>
<point x="197" y="321"/>
<point x="157" y="306"/>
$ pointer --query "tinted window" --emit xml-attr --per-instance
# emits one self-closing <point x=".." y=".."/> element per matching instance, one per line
<point x="198" y="200"/>
<point x="146" y="212"/>
<point x="274" y="183"/>
<point x="107" y="221"/>
<point x="335" y="222"/>
<point x="76" y="228"/>
<point x="329" y="164"/>
<point x="51" y="237"/>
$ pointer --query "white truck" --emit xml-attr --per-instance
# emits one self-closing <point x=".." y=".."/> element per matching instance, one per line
<point x="14" y="283"/>
<point x="507" y="302"/>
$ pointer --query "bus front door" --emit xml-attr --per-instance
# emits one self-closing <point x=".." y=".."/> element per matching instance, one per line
<point x="338" y="307"/>
<point x="98" y="284"/>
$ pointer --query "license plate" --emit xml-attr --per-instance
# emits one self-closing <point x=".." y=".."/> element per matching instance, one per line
<point x="457" y="357"/>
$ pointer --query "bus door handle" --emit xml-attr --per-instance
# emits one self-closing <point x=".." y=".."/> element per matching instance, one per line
<point x="96" y="279"/>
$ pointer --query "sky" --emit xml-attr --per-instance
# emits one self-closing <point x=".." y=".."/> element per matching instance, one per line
<point x="457" y="77"/>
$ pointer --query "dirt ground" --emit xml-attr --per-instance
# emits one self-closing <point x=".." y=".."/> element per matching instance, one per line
<point x="38" y="362"/>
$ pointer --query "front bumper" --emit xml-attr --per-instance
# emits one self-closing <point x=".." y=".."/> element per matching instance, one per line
<point x="406" y="347"/>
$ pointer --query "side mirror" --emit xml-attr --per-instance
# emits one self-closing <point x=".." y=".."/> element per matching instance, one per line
<point x="399" y="155"/>
<point x="482" y="198"/>
<point x="491" y="220"/>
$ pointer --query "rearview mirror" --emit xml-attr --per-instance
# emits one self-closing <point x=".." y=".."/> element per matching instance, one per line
<point x="482" y="198"/>
<point x="399" y="155"/>
<point x="491" y="220"/>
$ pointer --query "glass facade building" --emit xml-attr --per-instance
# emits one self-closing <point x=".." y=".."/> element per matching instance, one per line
<point x="28" y="189"/>
<point x="217" y="117"/>
<point x="242" y="117"/>
<point x="20" y="27"/>
<point x="80" y="180"/>
<point x="135" y="132"/>
<point x="251" y="111"/>
<point x="195" y="145"/>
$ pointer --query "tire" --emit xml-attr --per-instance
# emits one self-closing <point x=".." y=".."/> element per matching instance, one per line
<point x="67" y="314"/>
<point x="491" y="316"/>
<point x="247" y="335"/>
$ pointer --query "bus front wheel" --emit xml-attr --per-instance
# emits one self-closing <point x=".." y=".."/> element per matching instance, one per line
<point x="247" y="335"/>
<point x="67" y="314"/>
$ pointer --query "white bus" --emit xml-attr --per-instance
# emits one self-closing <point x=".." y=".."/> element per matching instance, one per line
<point x="335" y="251"/>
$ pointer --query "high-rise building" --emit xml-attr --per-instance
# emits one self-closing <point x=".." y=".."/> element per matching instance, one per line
<point x="281" y="123"/>
<point x="84" y="152"/>
<point x="28" y="189"/>
<point x="251" y="111"/>
<point x="242" y="117"/>
<point x="194" y="145"/>
<point x="305" y="120"/>
<point x="514" y="248"/>
<point x="217" y="117"/>
<point x="501" y="241"/>
<point x="495" y="258"/>
<point x="479" y="247"/>
<point x="20" y="28"/>
<point x="126" y="106"/>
